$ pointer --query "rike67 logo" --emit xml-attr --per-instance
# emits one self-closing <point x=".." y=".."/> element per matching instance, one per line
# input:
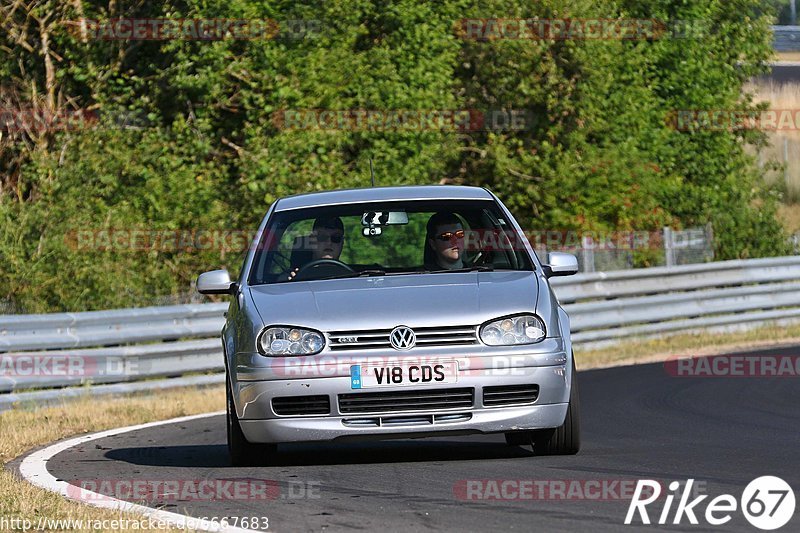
<point x="767" y="502"/>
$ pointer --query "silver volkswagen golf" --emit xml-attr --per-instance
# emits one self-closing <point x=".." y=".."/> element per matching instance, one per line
<point x="395" y="312"/>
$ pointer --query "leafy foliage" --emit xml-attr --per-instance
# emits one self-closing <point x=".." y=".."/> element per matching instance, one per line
<point x="186" y="137"/>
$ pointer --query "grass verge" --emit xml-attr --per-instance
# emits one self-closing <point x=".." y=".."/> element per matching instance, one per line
<point x="23" y="429"/>
<point x="789" y="216"/>
<point x="787" y="56"/>
<point x="686" y="345"/>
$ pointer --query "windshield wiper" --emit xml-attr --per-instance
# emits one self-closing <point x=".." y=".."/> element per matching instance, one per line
<point x="371" y="272"/>
<point x="378" y="272"/>
<point x="474" y="268"/>
<point x="361" y="274"/>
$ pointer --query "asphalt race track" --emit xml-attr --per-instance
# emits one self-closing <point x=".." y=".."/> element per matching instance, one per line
<point x="786" y="72"/>
<point x="638" y="422"/>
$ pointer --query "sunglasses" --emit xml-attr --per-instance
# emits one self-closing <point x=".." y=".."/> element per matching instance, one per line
<point x="336" y="238"/>
<point x="450" y="235"/>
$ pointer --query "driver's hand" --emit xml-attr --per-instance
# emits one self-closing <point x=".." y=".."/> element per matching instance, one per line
<point x="293" y="273"/>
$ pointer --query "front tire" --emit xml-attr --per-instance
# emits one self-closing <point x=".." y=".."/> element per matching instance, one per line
<point x="563" y="440"/>
<point x="566" y="438"/>
<point x="241" y="451"/>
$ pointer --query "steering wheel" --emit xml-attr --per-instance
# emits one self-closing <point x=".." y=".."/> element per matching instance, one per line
<point x="334" y="266"/>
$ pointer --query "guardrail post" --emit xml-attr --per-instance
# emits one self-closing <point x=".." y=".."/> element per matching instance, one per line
<point x="669" y="247"/>
<point x="587" y="244"/>
<point x="710" y="241"/>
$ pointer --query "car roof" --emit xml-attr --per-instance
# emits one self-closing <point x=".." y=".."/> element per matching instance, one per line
<point x="383" y="194"/>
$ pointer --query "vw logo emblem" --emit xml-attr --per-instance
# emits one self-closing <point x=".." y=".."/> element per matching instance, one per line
<point x="402" y="338"/>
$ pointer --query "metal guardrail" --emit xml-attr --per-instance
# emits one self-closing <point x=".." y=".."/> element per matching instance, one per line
<point x="62" y="368"/>
<point x="98" y="328"/>
<point x="609" y="306"/>
<point x="786" y="38"/>
<point x="605" y="307"/>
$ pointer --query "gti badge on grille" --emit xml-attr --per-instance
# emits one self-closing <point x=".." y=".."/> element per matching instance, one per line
<point x="346" y="340"/>
<point x="403" y="338"/>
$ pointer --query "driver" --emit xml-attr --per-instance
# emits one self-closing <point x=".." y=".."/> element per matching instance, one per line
<point x="325" y="242"/>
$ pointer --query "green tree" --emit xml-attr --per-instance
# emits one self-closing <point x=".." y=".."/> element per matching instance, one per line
<point x="184" y="133"/>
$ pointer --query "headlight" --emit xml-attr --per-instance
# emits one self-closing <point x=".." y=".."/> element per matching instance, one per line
<point x="523" y="329"/>
<point x="290" y="341"/>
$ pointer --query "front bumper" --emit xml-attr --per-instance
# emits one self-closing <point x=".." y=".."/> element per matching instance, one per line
<point x="551" y="371"/>
<point x="297" y="429"/>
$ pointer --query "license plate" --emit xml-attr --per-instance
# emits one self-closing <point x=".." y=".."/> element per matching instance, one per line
<point x="408" y="374"/>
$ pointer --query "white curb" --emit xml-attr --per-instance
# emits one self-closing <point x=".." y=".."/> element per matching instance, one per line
<point x="34" y="470"/>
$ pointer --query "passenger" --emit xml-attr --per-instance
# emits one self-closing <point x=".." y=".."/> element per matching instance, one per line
<point x="444" y="242"/>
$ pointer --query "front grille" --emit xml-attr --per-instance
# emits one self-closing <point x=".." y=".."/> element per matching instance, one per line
<point x="302" y="405"/>
<point x="407" y="420"/>
<point x="416" y="400"/>
<point x="427" y="336"/>
<point x="510" y="395"/>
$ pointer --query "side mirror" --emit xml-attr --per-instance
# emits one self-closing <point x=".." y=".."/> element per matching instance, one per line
<point x="215" y="282"/>
<point x="560" y="264"/>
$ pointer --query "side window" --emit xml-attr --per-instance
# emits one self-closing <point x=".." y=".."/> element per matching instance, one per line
<point x="291" y="240"/>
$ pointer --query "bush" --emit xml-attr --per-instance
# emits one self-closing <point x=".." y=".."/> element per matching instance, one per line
<point x="188" y="137"/>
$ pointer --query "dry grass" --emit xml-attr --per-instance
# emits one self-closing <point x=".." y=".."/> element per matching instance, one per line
<point x="699" y="344"/>
<point x="789" y="215"/>
<point x="787" y="56"/>
<point x="779" y="95"/>
<point x="26" y="429"/>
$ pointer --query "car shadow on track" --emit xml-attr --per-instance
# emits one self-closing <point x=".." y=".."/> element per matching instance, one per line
<point x="309" y="454"/>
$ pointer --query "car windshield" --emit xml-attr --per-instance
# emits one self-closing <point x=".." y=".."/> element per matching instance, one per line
<point x="387" y="238"/>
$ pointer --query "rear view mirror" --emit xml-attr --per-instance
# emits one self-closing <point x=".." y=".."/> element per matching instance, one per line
<point x="373" y="220"/>
<point x="384" y="218"/>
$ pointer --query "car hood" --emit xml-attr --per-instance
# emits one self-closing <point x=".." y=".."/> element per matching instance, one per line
<point x="384" y="302"/>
